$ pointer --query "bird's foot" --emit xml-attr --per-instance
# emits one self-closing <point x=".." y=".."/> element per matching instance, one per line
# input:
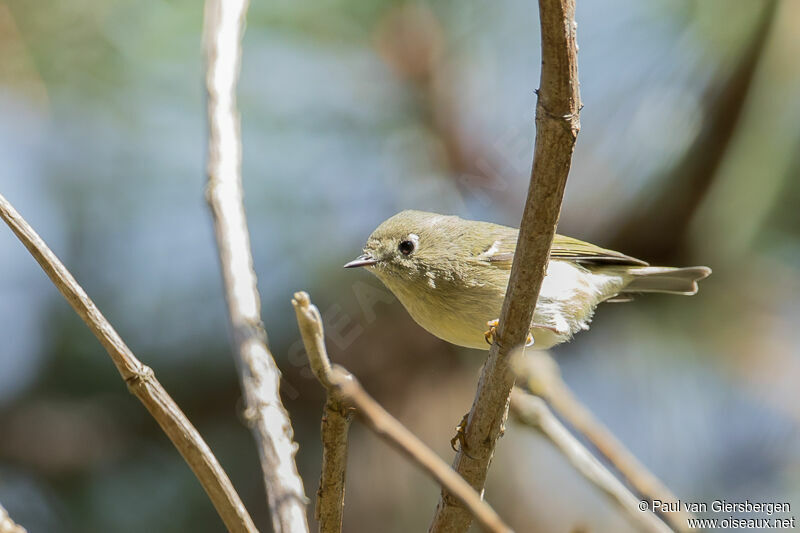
<point x="460" y="435"/>
<point x="492" y="331"/>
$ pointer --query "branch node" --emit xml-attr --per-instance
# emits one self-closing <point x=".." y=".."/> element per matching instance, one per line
<point x="143" y="377"/>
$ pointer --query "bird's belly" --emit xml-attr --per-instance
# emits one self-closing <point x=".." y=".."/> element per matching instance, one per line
<point x="567" y="299"/>
<point x="461" y="319"/>
<point x="455" y="324"/>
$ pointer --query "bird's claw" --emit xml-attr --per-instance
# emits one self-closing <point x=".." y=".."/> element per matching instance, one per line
<point x="490" y="334"/>
<point x="460" y="435"/>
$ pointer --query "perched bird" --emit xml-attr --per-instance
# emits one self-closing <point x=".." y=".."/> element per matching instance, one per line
<point x="451" y="275"/>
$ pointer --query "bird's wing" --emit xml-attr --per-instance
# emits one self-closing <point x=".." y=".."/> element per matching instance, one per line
<point x="496" y="246"/>
<point x="584" y="252"/>
<point x="500" y="251"/>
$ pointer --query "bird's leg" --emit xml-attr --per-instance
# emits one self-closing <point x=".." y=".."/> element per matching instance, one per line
<point x="492" y="331"/>
<point x="460" y="437"/>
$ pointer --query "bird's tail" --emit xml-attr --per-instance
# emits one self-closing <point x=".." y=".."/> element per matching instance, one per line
<point x="666" y="279"/>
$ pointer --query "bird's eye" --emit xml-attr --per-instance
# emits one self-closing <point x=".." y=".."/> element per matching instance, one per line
<point x="405" y="247"/>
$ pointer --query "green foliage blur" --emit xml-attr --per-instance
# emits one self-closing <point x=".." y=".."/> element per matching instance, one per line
<point x="351" y="111"/>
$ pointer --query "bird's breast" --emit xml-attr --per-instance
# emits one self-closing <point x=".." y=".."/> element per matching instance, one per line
<point x="458" y="312"/>
<point x="449" y="310"/>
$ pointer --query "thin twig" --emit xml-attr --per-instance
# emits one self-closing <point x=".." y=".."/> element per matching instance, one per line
<point x="557" y="126"/>
<point x="7" y="525"/>
<point x="260" y="377"/>
<point x="543" y="379"/>
<point x="140" y="379"/>
<point x="344" y="386"/>
<point x="533" y="411"/>
<point x="335" y="420"/>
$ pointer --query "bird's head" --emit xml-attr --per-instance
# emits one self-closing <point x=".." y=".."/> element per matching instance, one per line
<point x="411" y="246"/>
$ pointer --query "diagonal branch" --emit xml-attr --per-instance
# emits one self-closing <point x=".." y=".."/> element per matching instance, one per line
<point x="343" y="386"/>
<point x="532" y="410"/>
<point x="222" y="32"/>
<point x="543" y="378"/>
<point x="557" y="126"/>
<point x="140" y="379"/>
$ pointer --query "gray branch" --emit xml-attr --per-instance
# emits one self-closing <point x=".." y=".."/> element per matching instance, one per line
<point x="222" y="32"/>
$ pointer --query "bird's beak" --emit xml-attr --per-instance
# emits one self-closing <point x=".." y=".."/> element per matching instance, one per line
<point x="361" y="260"/>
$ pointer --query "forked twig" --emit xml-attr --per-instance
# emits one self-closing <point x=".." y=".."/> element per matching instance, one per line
<point x="335" y="419"/>
<point x="345" y="387"/>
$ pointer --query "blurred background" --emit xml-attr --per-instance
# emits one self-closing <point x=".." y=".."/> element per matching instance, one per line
<point x="351" y="111"/>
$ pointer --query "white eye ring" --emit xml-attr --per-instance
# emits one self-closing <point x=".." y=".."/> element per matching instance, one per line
<point x="408" y="245"/>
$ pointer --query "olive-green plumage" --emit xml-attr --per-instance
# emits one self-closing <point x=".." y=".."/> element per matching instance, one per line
<point x="451" y="275"/>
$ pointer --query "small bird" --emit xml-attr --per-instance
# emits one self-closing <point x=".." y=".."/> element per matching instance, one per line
<point x="451" y="276"/>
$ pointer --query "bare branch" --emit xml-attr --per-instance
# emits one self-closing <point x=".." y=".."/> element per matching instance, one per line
<point x="557" y="126"/>
<point x="140" y="379"/>
<point x="330" y="495"/>
<point x="544" y="379"/>
<point x="533" y="411"/>
<point x="260" y="377"/>
<point x="335" y="421"/>
<point x="342" y="385"/>
<point x="7" y="525"/>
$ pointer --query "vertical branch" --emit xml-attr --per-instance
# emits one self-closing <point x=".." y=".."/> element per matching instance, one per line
<point x="335" y="419"/>
<point x="557" y="126"/>
<point x="7" y="525"/>
<point x="222" y="32"/>
<point x="140" y="379"/>
<point x="330" y="495"/>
